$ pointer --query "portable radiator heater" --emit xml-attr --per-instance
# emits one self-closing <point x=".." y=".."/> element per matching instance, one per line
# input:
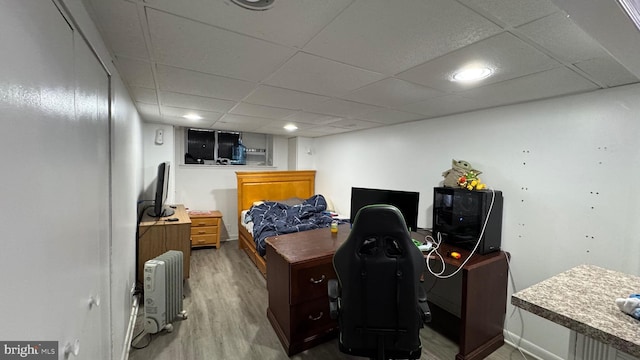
<point x="163" y="292"/>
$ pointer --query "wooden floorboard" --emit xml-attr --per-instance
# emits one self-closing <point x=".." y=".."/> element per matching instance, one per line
<point x="226" y="301"/>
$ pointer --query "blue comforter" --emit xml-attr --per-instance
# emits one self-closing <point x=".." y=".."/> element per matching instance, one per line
<point x="273" y="218"/>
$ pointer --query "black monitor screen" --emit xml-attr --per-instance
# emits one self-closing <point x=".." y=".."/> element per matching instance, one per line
<point x="405" y="201"/>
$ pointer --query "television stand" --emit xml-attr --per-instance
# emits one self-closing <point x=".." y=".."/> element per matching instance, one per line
<point x="469" y="307"/>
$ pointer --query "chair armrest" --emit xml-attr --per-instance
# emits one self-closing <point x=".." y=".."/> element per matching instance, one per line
<point x="425" y="312"/>
<point x="333" y="291"/>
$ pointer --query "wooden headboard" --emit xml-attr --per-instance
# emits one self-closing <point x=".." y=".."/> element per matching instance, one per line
<point x="273" y="185"/>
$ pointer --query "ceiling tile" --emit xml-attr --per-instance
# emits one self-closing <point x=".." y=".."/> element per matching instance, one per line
<point x="180" y="121"/>
<point x="342" y="108"/>
<point x="261" y="111"/>
<point x="135" y="72"/>
<point x="148" y="110"/>
<point x="121" y="27"/>
<point x="449" y="104"/>
<point x="508" y="56"/>
<point x="353" y="124"/>
<point x="386" y="37"/>
<point x="312" y="118"/>
<point x="275" y="24"/>
<point x="390" y="116"/>
<point x="191" y="45"/>
<point x="607" y="71"/>
<point x="144" y="95"/>
<point x="316" y="75"/>
<point x="277" y="97"/>
<point x="392" y="92"/>
<point x="563" y="38"/>
<point x="547" y="84"/>
<point x="514" y="12"/>
<point x="195" y="83"/>
<point x="195" y="102"/>
<point x="209" y="116"/>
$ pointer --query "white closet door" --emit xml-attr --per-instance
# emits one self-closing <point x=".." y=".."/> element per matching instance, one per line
<point x="54" y="183"/>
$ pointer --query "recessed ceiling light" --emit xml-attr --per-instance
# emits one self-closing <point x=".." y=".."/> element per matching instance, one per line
<point x="470" y="74"/>
<point x="290" y="127"/>
<point x="192" y="117"/>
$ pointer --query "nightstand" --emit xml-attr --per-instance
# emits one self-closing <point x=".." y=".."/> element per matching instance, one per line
<point x="205" y="228"/>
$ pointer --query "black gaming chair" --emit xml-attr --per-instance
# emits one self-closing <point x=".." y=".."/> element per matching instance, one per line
<point x="377" y="299"/>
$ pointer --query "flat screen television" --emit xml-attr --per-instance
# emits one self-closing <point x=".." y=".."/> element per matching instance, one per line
<point x="460" y="214"/>
<point x="162" y="188"/>
<point x="405" y="201"/>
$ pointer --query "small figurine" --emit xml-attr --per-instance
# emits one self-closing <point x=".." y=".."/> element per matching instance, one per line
<point x="458" y="169"/>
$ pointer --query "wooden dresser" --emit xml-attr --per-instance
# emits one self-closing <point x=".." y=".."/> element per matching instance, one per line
<point x="205" y="228"/>
<point x="299" y="267"/>
<point x="157" y="236"/>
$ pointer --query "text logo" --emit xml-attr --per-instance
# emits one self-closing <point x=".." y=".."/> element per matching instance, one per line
<point x="31" y="350"/>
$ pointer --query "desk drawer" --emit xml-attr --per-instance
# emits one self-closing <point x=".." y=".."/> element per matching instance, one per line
<point x="311" y="282"/>
<point x="208" y="239"/>
<point x="311" y="318"/>
<point x="204" y="230"/>
<point x="195" y="222"/>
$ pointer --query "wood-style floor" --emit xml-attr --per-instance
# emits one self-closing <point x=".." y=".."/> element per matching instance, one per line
<point x="226" y="301"/>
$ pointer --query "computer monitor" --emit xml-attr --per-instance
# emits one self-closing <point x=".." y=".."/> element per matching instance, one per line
<point x="405" y="201"/>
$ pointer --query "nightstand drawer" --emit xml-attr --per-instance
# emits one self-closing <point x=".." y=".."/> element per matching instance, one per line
<point x="209" y="239"/>
<point x="195" y="222"/>
<point x="204" y="230"/>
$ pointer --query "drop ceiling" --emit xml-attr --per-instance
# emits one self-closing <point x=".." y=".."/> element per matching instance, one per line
<point x="335" y="66"/>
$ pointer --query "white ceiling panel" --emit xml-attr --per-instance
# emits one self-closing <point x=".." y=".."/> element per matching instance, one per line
<point x="180" y="121"/>
<point x="563" y="38"/>
<point x="607" y="71"/>
<point x="207" y="116"/>
<point x="547" y="84"/>
<point x="288" y="99"/>
<point x="306" y="17"/>
<point x="316" y="75"/>
<point x="243" y="57"/>
<point x="367" y="33"/>
<point x="342" y="108"/>
<point x="508" y="56"/>
<point x="514" y="12"/>
<point x="450" y="104"/>
<point x="342" y="65"/>
<point x="261" y="111"/>
<point x="195" y="102"/>
<point x="312" y="118"/>
<point x="144" y="95"/>
<point x="390" y="116"/>
<point x="136" y="72"/>
<point x="392" y="92"/>
<point x="121" y="27"/>
<point x="195" y="83"/>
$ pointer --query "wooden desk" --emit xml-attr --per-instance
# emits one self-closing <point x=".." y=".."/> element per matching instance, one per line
<point x="469" y="307"/>
<point x="299" y="267"/>
<point x="157" y="236"/>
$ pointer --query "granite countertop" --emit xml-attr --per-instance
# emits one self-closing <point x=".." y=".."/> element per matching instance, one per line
<point x="583" y="299"/>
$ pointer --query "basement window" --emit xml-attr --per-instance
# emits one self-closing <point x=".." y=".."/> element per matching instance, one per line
<point x="217" y="147"/>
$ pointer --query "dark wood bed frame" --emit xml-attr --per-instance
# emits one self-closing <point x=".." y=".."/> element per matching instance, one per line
<point x="268" y="185"/>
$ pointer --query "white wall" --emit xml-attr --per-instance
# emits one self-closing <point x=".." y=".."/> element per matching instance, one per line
<point x="71" y="179"/>
<point x="202" y="187"/>
<point x="567" y="169"/>
<point x="300" y="153"/>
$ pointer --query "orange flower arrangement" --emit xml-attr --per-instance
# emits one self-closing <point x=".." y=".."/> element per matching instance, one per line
<point x="471" y="181"/>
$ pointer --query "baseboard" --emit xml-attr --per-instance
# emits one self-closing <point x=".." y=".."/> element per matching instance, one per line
<point x="528" y="347"/>
<point x="135" y="305"/>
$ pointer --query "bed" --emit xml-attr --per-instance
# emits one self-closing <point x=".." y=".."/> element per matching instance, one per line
<point x="268" y="185"/>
